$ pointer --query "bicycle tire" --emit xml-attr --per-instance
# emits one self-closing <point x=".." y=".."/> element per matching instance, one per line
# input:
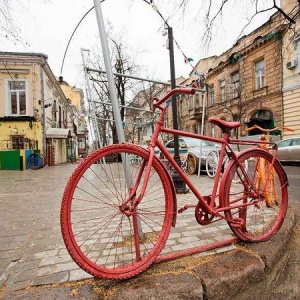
<point x="211" y="164"/>
<point x="42" y="160"/>
<point x="35" y="161"/>
<point x="262" y="219"/>
<point x="102" y="238"/>
<point x="191" y="164"/>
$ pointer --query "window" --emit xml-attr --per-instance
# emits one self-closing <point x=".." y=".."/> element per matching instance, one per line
<point x="17" y="141"/>
<point x="180" y="107"/>
<point x="211" y="94"/>
<point x="296" y="142"/>
<point x="296" y="58"/>
<point x="17" y="104"/>
<point x="54" y="111"/>
<point x="235" y="78"/>
<point x="259" y="74"/>
<point x="60" y="120"/>
<point x="197" y="101"/>
<point x="284" y="143"/>
<point x="222" y="90"/>
<point x="213" y="130"/>
<point x="191" y="102"/>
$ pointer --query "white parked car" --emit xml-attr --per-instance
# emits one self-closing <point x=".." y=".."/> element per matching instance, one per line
<point x="289" y="150"/>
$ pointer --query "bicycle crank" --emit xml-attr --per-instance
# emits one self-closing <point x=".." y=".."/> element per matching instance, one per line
<point x="202" y="216"/>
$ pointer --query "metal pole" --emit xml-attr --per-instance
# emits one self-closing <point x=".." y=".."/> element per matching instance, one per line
<point x="178" y="181"/>
<point x="140" y="78"/>
<point x="202" y="129"/>
<point x="43" y="109"/>
<point x="114" y="97"/>
<point x="89" y="96"/>
<point x="109" y="73"/>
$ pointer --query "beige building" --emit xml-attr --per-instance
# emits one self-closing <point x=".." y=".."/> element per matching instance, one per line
<point x="75" y="97"/>
<point x="139" y="116"/>
<point x="244" y="83"/>
<point x="35" y="115"/>
<point x="256" y="81"/>
<point x="291" y="69"/>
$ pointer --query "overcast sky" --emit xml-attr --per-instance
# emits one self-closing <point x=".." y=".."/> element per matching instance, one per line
<point x="47" y="27"/>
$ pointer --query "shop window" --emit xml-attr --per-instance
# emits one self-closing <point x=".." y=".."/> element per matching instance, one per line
<point x="18" y="141"/>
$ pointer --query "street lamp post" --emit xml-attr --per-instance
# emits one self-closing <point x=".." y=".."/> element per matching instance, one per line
<point x="178" y="181"/>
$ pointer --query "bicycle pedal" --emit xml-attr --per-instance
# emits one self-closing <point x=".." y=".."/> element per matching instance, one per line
<point x="182" y="209"/>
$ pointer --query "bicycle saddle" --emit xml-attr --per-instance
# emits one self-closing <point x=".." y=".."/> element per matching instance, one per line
<point x="225" y="126"/>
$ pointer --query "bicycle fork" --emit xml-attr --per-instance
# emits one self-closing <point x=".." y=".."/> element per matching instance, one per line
<point x="133" y="197"/>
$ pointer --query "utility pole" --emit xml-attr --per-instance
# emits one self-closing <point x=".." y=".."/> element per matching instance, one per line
<point x="178" y="181"/>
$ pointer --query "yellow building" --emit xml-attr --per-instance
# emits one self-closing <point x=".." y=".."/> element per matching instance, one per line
<point x="35" y="115"/>
<point x="75" y="96"/>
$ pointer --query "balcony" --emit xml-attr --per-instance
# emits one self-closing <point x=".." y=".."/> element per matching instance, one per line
<point x="195" y="113"/>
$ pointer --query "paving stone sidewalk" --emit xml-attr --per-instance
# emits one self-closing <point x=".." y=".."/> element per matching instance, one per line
<point x="32" y="251"/>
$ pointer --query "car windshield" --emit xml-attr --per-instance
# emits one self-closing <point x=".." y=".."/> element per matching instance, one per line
<point x="196" y="143"/>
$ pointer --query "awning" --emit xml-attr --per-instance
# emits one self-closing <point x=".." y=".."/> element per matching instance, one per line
<point x="58" y="133"/>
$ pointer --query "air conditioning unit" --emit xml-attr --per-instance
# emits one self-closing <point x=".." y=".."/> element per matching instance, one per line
<point x="292" y="64"/>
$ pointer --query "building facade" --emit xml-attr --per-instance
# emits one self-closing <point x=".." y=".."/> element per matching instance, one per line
<point x="78" y="144"/>
<point x="247" y="83"/>
<point x="291" y="69"/>
<point x="35" y="115"/>
<point x="254" y="82"/>
<point x="244" y="83"/>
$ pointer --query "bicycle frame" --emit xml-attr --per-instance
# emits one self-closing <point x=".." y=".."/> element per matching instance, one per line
<point x="115" y="228"/>
<point x="226" y="149"/>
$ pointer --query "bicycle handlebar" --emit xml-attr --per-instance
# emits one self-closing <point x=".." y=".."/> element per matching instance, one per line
<point x="269" y="130"/>
<point x="188" y="91"/>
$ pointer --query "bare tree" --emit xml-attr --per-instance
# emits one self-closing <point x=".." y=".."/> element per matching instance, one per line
<point x="210" y="14"/>
<point x="122" y="63"/>
<point x="9" y="27"/>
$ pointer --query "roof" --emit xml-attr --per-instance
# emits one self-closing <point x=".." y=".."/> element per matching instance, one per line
<point x="24" y="53"/>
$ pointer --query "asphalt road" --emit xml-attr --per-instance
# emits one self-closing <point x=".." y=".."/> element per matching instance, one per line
<point x="293" y="173"/>
<point x="288" y="280"/>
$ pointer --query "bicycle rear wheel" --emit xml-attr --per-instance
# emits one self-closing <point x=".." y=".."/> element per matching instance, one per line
<point x="265" y="199"/>
<point x="211" y="164"/>
<point x="103" y="237"/>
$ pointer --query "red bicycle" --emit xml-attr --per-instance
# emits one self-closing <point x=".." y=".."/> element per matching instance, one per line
<point x="116" y="216"/>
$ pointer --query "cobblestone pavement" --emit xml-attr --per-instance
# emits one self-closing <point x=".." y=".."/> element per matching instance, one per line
<point x="32" y="251"/>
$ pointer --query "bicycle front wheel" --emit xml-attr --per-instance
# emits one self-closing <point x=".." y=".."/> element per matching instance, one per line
<point x="104" y="236"/>
<point x="256" y="207"/>
<point x="211" y="164"/>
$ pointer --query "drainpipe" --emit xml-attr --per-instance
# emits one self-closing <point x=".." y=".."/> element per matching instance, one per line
<point x="43" y="108"/>
<point x="281" y="83"/>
